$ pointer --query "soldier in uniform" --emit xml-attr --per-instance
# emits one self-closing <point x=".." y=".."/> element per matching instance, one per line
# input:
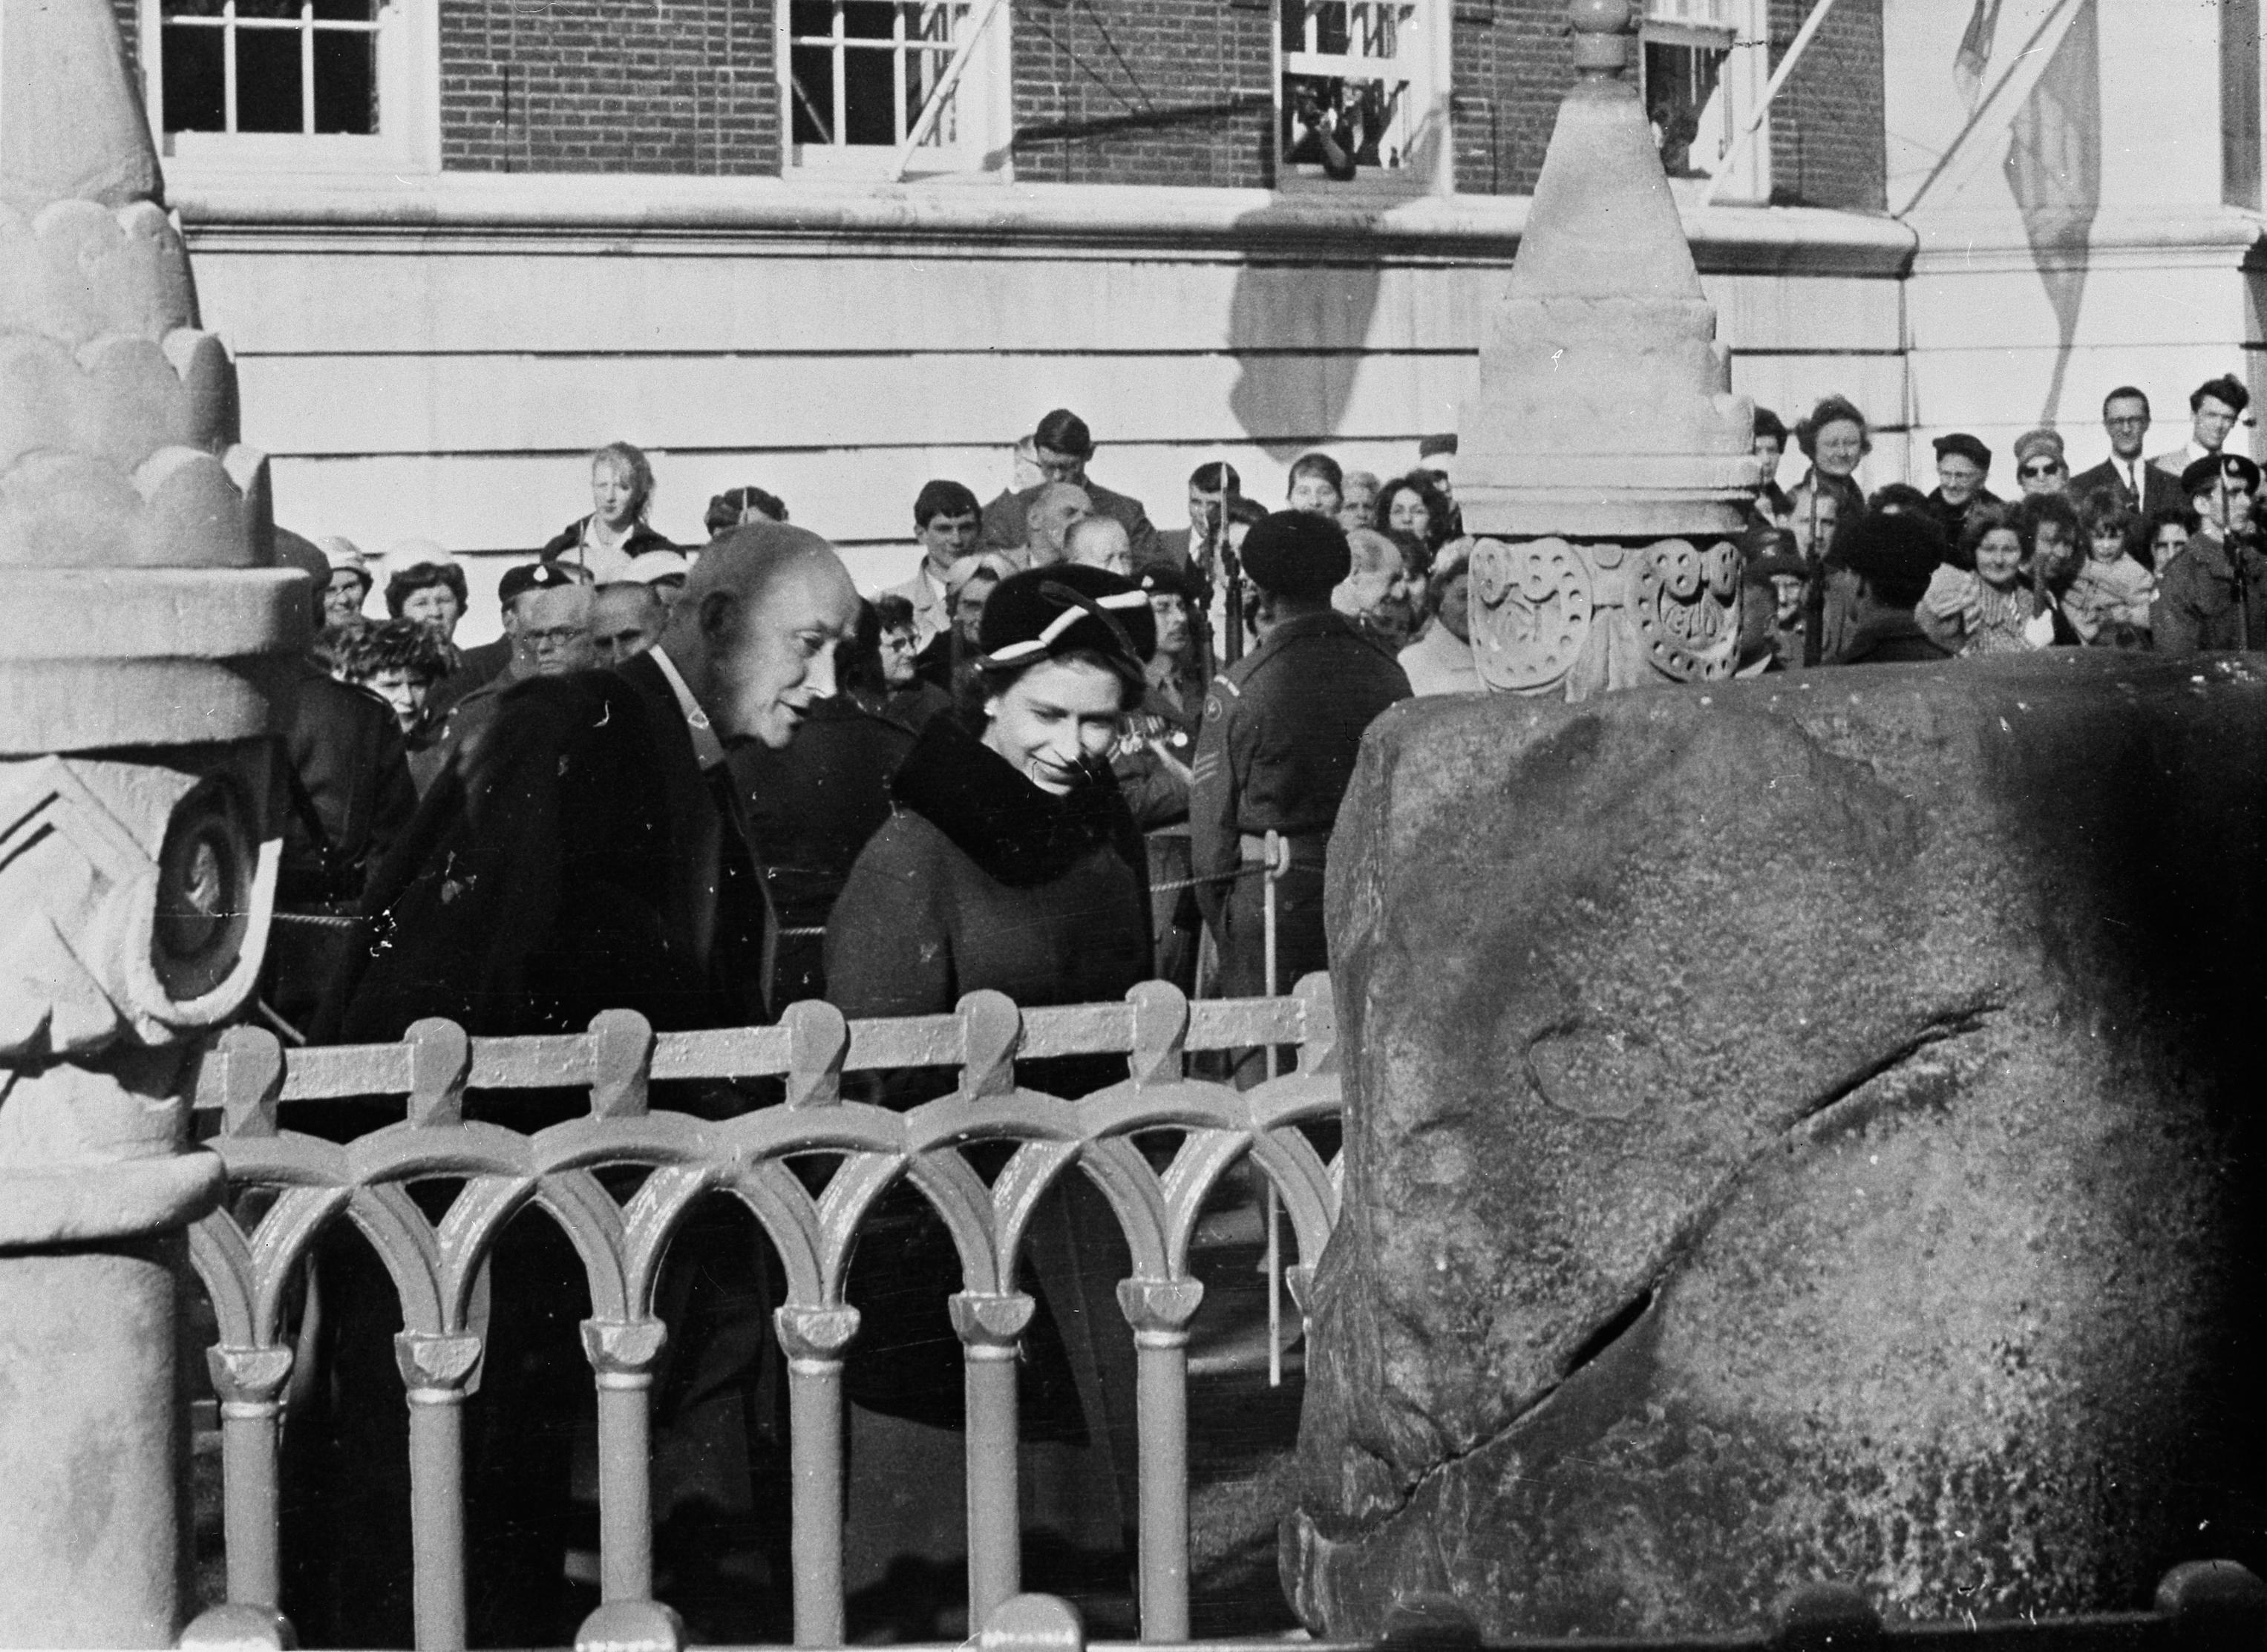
<point x="1280" y="730"/>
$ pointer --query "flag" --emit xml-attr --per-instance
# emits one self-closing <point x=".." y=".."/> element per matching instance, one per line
<point x="1968" y="63"/>
<point x="2054" y="172"/>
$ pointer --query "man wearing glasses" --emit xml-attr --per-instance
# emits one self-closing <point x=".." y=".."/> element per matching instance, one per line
<point x="1063" y="445"/>
<point x="2143" y="488"/>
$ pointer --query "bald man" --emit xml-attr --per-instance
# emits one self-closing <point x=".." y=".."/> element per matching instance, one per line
<point x="584" y="859"/>
<point x="1100" y="542"/>
<point x="593" y="856"/>
<point x="1047" y="521"/>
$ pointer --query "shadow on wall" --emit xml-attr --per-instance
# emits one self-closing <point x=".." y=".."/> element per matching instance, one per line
<point x="1299" y="321"/>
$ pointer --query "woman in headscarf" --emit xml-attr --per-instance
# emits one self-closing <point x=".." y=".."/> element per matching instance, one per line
<point x="1012" y="863"/>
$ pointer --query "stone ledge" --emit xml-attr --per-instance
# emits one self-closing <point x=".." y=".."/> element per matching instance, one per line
<point x="738" y="214"/>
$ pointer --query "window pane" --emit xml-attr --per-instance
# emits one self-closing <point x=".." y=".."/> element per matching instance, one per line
<point x="192" y="69"/>
<point x="930" y="23"/>
<point x="1294" y="25"/>
<point x="923" y="71"/>
<point x="267" y="81"/>
<point x="866" y="20"/>
<point x="813" y="91"/>
<point x="347" y="10"/>
<point x="1331" y="26"/>
<point x="345" y="81"/>
<point x="287" y="10"/>
<point x="194" y="8"/>
<point x="869" y="89"/>
<point x="811" y="17"/>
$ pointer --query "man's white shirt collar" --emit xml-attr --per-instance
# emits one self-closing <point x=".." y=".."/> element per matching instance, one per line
<point x="707" y="751"/>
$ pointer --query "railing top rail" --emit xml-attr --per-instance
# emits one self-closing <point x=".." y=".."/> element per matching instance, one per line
<point x="344" y="1071"/>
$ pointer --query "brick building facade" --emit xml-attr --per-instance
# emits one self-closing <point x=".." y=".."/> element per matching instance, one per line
<point x="1177" y="92"/>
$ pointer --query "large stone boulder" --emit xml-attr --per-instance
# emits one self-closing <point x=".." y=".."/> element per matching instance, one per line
<point x="1801" y="1129"/>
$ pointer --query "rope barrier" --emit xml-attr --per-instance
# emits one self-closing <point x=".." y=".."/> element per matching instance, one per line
<point x="320" y="920"/>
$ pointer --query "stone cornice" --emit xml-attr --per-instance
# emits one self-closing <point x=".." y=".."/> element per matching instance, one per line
<point x="740" y="216"/>
<point x="1995" y="242"/>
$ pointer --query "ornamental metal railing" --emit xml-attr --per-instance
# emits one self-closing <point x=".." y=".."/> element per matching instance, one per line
<point x="249" y="1081"/>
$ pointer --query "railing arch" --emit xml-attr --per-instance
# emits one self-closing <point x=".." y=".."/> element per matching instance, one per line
<point x="248" y="1083"/>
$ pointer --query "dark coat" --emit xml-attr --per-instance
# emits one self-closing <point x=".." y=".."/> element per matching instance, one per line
<point x="347" y="792"/>
<point x="981" y="879"/>
<point x="1889" y="639"/>
<point x="1953" y="519"/>
<point x="642" y="539"/>
<point x="476" y="668"/>
<point x="577" y="861"/>
<point x="2161" y="491"/>
<point x="2196" y="605"/>
<point x="1004" y="528"/>
<point x="811" y="808"/>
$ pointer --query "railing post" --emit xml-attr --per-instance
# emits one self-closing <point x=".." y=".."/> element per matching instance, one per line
<point x="990" y="1327"/>
<point x="1159" y="1310"/>
<point x="249" y="1382"/>
<point x="814" y="1339"/>
<point x="621" y="1355"/>
<point x="435" y="1369"/>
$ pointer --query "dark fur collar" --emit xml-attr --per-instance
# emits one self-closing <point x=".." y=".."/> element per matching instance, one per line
<point x="1016" y="833"/>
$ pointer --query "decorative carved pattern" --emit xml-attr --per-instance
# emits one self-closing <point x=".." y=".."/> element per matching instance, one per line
<point x="1687" y="608"/>
<point x="1532" y="614"/>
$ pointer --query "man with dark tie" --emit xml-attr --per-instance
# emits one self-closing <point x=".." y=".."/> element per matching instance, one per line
<point x="2143" y="488"/>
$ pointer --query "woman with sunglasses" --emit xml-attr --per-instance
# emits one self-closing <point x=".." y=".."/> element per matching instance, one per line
<point x="2040" y="466"/>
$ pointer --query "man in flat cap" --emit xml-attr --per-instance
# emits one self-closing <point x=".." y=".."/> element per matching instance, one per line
<point x="1280" y="730"/>
<point x="1962" y="463"/>
<point x="2143" y="488"/>
<point x="1062" y="445"/>
<point x="2213" y="594"/>
<point x="1893" y="553"/>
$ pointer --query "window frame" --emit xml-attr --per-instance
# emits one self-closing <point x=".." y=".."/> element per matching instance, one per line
<point x="1429" y="167"/>
<point x="408" y="138"/>
<point x="1741" y="28"/>
<point x="983" y="107"/>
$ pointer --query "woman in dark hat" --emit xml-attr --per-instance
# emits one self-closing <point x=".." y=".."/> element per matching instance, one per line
<point x="1011" y="862"/>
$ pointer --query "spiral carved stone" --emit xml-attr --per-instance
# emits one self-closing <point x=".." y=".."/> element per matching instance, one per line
<point x="1531" y="615"/>
<point x="1687" y="609"/>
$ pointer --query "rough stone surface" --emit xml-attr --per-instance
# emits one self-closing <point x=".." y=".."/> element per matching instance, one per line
<point x="1798" y="1129"/>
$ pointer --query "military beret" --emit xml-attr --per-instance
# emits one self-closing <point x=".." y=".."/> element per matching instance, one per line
<point x="536" y="576"/>
<point x="1044" y="613"/>
<point x="1777" y="564"/>
<point x="2039" y="441"/>
<point x="2203" y="476"/>
<point x="1967" y="447"/>
<point x="1892" y="544"/>
<point x="1297" y="554"/>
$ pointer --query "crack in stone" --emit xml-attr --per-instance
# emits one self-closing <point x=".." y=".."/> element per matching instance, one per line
<point x="1952" y="1021"/>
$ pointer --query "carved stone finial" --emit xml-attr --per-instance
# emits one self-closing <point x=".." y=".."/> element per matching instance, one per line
<point x="1604" y="30"/>
<point x="1606" y="461"/>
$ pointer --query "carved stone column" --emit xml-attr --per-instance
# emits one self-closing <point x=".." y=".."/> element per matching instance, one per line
<point x="1606" y="465"/>
<point x="146" y="633"/>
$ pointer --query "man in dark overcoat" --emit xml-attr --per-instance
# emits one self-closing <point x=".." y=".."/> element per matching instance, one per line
<point x="590" y="856"/>
<point x="1281" y="728"/>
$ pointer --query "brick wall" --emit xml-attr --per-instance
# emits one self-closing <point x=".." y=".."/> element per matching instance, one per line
<point x="609" y="86"/>
<point x="1514" y="60"/>
<point x="1828" y="148"/>
<point x="1145" y="91"/>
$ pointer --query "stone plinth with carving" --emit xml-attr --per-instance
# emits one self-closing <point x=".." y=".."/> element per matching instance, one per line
<point x="1607" y="465"/>
<point x="138" y="671"/>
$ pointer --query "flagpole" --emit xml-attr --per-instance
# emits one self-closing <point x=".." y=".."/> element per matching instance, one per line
<point x="1746" y="135"/>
